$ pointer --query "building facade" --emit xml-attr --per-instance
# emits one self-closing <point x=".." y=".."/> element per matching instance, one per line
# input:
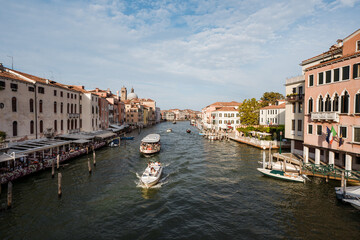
<point x="272" y="115"/>
<point x="225" y="118"/>
<point x="332" y="104"/>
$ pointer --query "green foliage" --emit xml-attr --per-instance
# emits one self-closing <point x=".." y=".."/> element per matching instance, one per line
<point x="274" y="131"/>
<point x="249" y="112"/>
<point x="2" y="136"/>
<point x="270" y="97"/>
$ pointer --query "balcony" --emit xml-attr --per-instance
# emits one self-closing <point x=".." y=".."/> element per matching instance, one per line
<point x="73" y="115"/>
<point x="74" y="130"/>
<point x="295" y="97"/>
<point x="325" y="116"/>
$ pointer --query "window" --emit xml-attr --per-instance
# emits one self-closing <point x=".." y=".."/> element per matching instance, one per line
<point x="68" y="124"/>
<point x="15" y="130"/>
<point x="2" y="84"/>
<point x="299" y="125"/>
<point x="61" y="108"/>
<point x="55" y="107"/>
<point x="300" y="91"/>
<point x="300" y="107"/>
<point x="293" y="125"/>
<point x="319" y="130"/>
<point x="93" y="110"/>
<point x="214" y="121"/>
<point x="357" y="103"/>
<point x="336" y="103"/>
<point x="225" y="114"/>
<point x="310" y="129"/>
<point x="328" y="76"/>
<point x="336" y="75"/>
<point x="345" y="103"/>
<point x="357" y="134"/>
<point x="31" y="89"/>
<point x="13" y="104"/>
<point x="61" y="95"/>
<point x="220" y="121"/>
<point x="80" y="123"/>
<point x="346" y="73"/>
<point x="327" y="104"/>
<point x="343" y="131"/>
<point x="320" y="104"/>
<point x="31" y="127"/>
<point x="62" y="125"/>
<point x="294" y="107"/>
<point x="41" y="90"/>
<point x="356" y="71"/>
<point x="41" y="106"/>
<point x="220" y="114"/>
<point x="358" y="46"/>
<point x="71" y="96"/>
<point x="311" y="80"/>
<point x="55" y="92"/>
<point x="68" y="108"/>
<point x="321" y="78"/>
<point x="55" y="125"/>
<point x="72" y="108"/>
<point x="41" y="126"/>
<point x="294" y="90"/>
<point x="68" y="95"/>
<point x="13" y="87"/>
<point x="80" y="108"/>
<point x="31" y="103"/>
<point x="310" y="106"/>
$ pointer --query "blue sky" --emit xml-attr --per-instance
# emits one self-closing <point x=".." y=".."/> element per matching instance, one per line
<point x="183" y="54"/>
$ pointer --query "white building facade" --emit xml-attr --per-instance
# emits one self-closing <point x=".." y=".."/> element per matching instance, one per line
<point x="272" y="115"/>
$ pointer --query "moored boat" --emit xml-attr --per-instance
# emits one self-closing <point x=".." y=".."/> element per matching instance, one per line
<point x="354" y="202"/>
<point x="352" y="192"/>
<point x="293" y="177"/>
<point x="150" y="144"/>
<point x="127" y="138"/>
<point x="152" y="174"/>
<point x="169" y="130"/>
<point x="174" y="122"/>
<point x="188" y="131"/>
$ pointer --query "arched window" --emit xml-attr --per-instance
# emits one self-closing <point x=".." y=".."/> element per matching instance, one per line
<point x="75" y="107"/>
<point x="41" y="106"/>
<point x="320" y="104"/>
<point x="327" y="104"/>
<point x="336" y="103"/>
<point x="15" y="129"/>
<point x="310" y="105"/>
<point x="31" y="102"/>
<point x="55" y="107"/>
<point x="41" y="126"/>
<point x="357" y="103"/>
<point x="31" y="127"/>
<point x="55" y="125"/>
<point x="345" y="103"/>
<point x="13" y="104"/>
<point x="72" y="123"/>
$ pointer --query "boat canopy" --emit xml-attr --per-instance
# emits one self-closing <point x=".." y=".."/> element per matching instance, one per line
<point x="151" y="138"/>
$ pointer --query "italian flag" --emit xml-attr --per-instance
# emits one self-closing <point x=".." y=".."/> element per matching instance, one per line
<point x="333" y="133"/>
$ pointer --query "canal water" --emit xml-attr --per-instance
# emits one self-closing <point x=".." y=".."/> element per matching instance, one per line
<point x="209" y="190"/>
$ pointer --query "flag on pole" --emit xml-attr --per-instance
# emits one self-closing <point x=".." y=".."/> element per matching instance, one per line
<point x="328" y="133"/>
<point x="332" y="135"/>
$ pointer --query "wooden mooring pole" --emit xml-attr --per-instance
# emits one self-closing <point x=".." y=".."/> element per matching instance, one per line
<point x="59" y="184"/>
<point x="53" y="168"/>
<point x="9" y="196"/>
<point x="57" y="161"/>
<point x="94" y="158"/>
<point x="89" y="165"/>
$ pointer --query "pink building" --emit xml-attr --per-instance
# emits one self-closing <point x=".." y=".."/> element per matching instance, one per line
<point x="332" y="101"/>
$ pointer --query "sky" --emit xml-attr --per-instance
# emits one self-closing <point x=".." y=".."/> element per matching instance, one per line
<point x="183" y="54"/>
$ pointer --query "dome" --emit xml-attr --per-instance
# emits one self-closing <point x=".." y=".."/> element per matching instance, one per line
<point x="132" y="95"/>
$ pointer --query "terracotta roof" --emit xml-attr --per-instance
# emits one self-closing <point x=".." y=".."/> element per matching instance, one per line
<point x="227" y="109"/>
<point x="233" y="103"/>
<point x="280" y="106"/>
<point x="333" y="60"/>
<point x="11" y="76"/>
<point x="78" y="88"/>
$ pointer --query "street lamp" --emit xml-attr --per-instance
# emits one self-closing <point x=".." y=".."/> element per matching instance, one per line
<point x="280" y="140"/>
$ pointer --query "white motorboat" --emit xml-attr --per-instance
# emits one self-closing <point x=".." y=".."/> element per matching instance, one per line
<point x="279" y="165"/>
<point x="354" y="202"/>
<point x="287" y="176"/>
<point x="150" y="144"/>
<point x="352" y="192"/>
<point x="152" y="174"/>
<point x="169" y="130"/>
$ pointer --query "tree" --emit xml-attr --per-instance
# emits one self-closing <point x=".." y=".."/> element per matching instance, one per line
<point x="270" y="97"/>
<point x="249" y="112"/>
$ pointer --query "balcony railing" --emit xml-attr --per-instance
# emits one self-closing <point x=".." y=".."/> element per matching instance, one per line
<point x="325" y="116"/>
<point x="74" y="130"/>
<point x="295" y="98"/>
<point x="73" y="115"/>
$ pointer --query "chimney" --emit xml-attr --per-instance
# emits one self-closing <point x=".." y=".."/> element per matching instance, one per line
<point x="117" y="94"/>
<point x="96" y="89"/>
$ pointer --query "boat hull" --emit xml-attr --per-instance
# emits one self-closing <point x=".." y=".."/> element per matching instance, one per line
<point x="281" y="175"/>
